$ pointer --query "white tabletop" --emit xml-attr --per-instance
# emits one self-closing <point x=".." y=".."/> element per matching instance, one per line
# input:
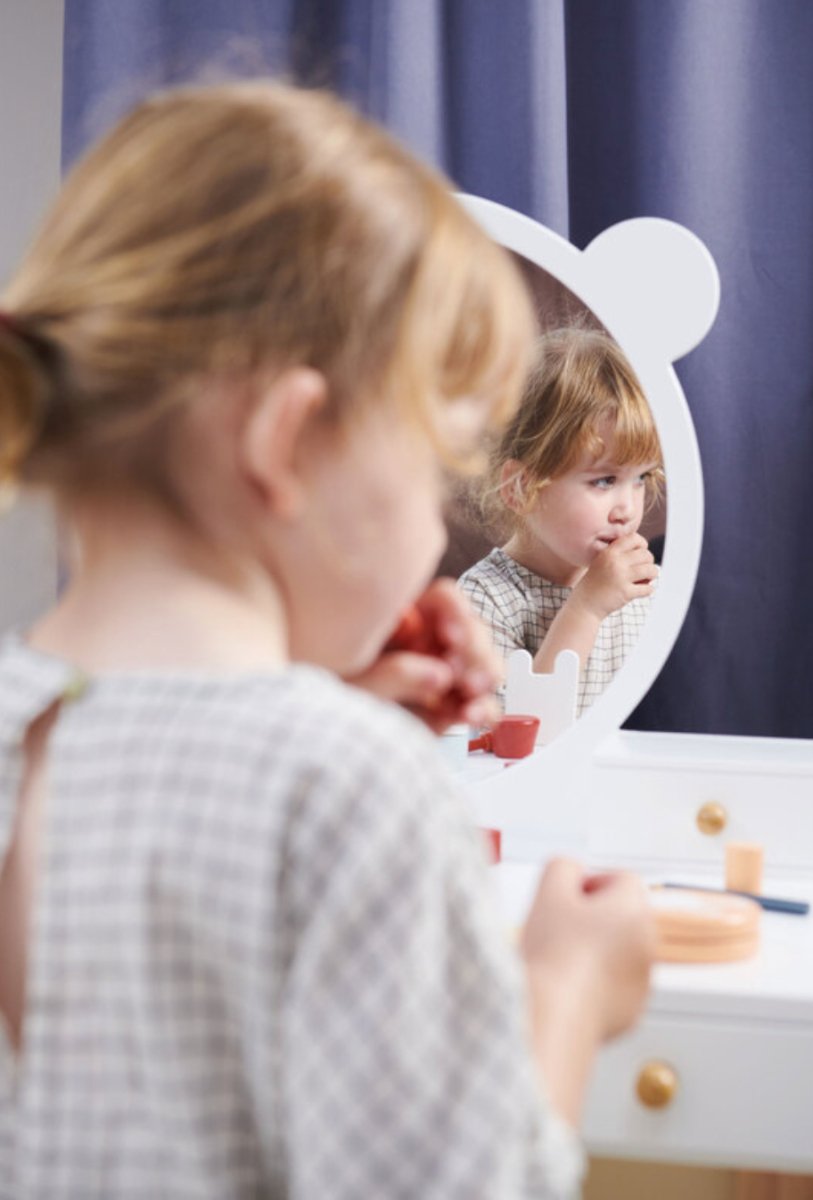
<point x="777" y="983"/>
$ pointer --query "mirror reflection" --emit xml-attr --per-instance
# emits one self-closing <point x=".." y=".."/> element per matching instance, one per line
<point x="556" y="544"/>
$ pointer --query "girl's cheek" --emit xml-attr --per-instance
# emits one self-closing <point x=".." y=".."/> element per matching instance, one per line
<point x="438" y="541"/>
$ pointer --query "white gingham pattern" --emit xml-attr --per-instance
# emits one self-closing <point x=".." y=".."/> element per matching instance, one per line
<point x="519" y="606"/>
<point x="265" y="960"/>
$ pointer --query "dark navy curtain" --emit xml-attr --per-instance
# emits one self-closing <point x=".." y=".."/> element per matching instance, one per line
<point x="583" y="113"/>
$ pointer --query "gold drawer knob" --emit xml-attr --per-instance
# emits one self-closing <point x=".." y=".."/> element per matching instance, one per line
<point x="656" y="1085"/>
<point x="712" y="818"/>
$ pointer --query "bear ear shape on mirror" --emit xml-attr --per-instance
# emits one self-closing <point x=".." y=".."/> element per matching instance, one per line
<point x="659" y="282"/>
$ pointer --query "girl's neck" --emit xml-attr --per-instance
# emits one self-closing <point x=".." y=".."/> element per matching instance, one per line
<point x="537" y="557"/>
<point x="145" y="593"/>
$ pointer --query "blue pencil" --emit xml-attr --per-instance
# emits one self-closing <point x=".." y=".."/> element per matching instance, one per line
<point x="769" y="903"/>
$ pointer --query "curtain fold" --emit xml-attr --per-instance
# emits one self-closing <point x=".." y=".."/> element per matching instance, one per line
<point x="582" y="113"/>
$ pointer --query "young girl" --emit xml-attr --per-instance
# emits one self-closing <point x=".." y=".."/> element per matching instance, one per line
<point x="246" y="947"/>
<point x="571" y="477"/>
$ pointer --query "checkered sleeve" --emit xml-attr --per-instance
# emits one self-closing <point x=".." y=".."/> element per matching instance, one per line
<point x="406" y="1065"/>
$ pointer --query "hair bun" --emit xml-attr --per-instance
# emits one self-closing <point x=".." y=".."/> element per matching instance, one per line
<point x="25" y="386"/>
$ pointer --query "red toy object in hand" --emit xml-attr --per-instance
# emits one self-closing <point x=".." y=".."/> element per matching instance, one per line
<point x="514" y="736"/>
<point x="413" y="633"/>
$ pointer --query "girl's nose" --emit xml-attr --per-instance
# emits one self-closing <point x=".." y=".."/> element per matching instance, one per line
<point x="623" y="506"/>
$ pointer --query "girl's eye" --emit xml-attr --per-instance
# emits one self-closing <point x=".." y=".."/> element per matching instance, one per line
<point x="641" y="479"/>
<point x="606" y="481"/>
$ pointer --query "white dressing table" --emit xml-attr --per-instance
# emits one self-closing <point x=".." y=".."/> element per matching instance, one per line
<point x="728" y="1048"/>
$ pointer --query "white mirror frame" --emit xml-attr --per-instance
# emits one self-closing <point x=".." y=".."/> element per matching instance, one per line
<point x="655" y="288"/>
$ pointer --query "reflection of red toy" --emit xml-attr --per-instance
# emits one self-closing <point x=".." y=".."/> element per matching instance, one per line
<point x="514" y="736"/>
<point x="493" y="845"/>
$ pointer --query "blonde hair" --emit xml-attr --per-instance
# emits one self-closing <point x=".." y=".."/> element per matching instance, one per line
<point x="233" y="231"/>
<point x="580" y="382"/>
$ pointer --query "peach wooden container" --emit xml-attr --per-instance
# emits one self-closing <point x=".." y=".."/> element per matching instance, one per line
<point x="697" y="926"/>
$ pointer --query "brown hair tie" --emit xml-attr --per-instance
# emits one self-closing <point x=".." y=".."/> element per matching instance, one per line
<point x="39" y="345"/>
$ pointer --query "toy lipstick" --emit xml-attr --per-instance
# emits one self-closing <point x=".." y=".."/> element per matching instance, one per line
<point x="413" y="633"/>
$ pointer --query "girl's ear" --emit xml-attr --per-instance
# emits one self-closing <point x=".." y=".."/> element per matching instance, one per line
<point x="273" y="434"/>
<point x="512" y="485"/>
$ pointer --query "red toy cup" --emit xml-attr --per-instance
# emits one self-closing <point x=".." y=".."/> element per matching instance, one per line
<point x="514" y="736"/>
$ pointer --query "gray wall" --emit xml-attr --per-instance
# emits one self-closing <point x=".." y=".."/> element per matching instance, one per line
<point x="30" y="117"/>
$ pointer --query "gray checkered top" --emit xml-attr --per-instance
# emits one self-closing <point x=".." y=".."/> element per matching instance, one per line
<point x="519" y="606"/>
<point x="264" y="961"/>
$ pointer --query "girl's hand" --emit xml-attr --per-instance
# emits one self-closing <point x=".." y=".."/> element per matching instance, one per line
<point x="623" y="571"/>
<point x="439" y="662"/>
<point x="597" y="931"/>
<point x="588" y="945"/>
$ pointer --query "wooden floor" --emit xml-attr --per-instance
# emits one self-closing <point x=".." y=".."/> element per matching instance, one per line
<point x="610" y="1179"/>
<point x="753" y="1186"/>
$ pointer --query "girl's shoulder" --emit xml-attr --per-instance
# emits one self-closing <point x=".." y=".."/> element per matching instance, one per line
<point x="288" y="696"/>
<point x="499" y="571"/>
<point x="295" y="758"/>
<point x="487" y="563"/>
<point x="253" y="731"/>
<point x="494" y="566"/>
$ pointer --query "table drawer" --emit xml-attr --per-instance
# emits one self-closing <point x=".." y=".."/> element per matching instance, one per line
<point x="743" y="1095"/>
<point x="643" y="808"/>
